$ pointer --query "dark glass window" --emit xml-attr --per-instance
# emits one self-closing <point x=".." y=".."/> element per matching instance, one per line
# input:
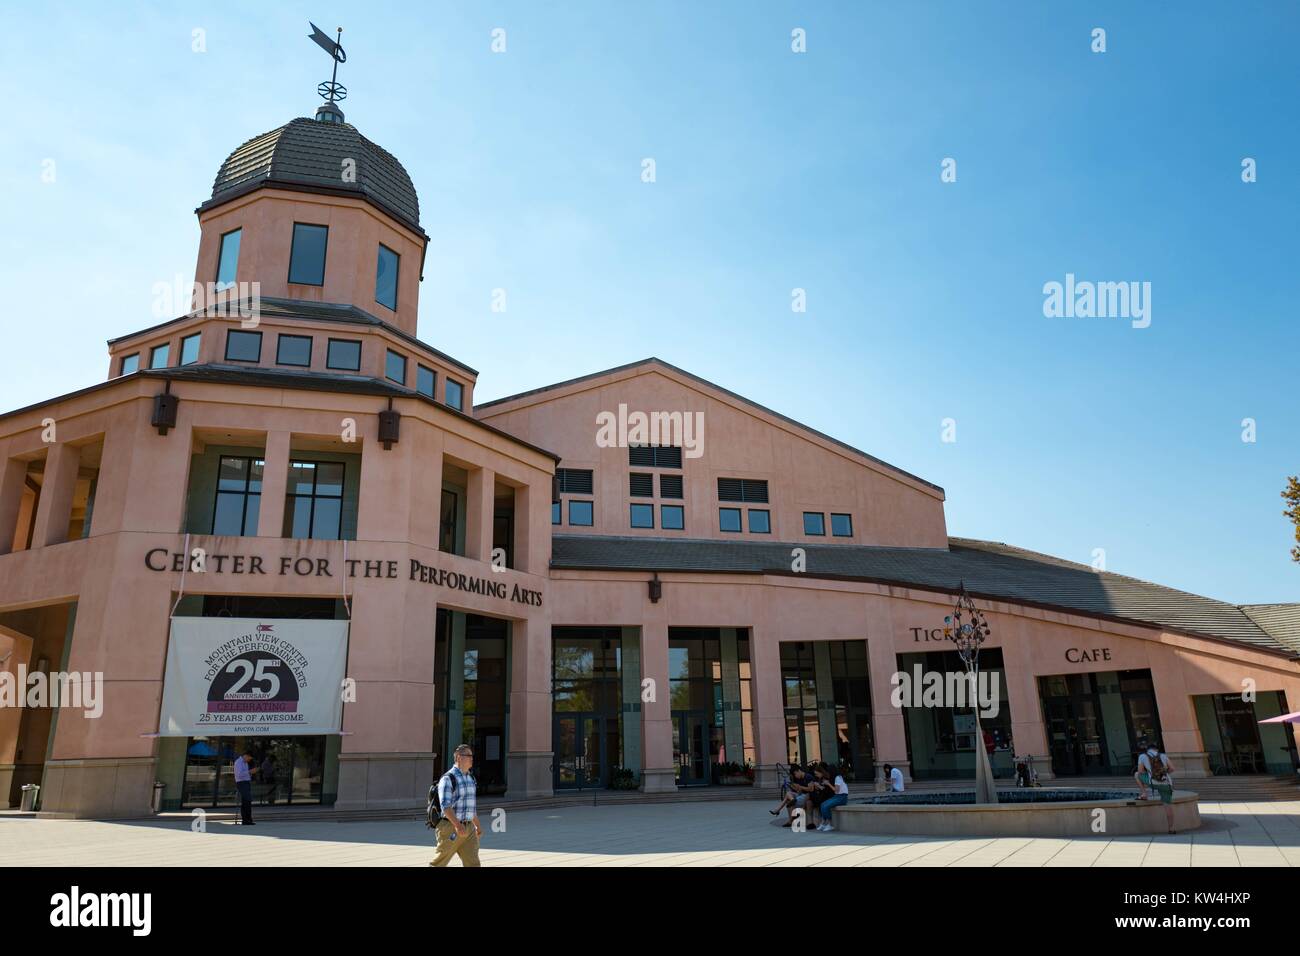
<point x="670" y="486"/>
<point x="672" y="517"/>
<point x="760" y="522"/>
<point x="243" y="346"/>
<point x="395" y="367"/>
<point x="228" y="260"/>
<point x="842" y="526"/>
<point x="343" y="354"/>
<point x="814" y="522"/>
<point x="307" y="255"/>
<point x="455" y="395"/>
<point x="386" y="277"/>
<point x="314" y="506"/>
<point x="239" y="495"/>
<point x="580" y="513"/>
<point x="643" y="516"/>
<point x="190" y="348"/>
<point x="742" y="489"/>
<point x="641" y="486"/>
<point x="654" y="456"/>
<point x="555" y="512"/>
<point x="424" y="380"/>
<point x="130" y="363"/>
<point x="729" y="519"/>
<point x="159" y="355"/>
<point x="293" y="350"/>
<point x="573" y="481"/>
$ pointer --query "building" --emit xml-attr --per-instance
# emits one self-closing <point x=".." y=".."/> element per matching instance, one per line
<point x="286" y="502"/>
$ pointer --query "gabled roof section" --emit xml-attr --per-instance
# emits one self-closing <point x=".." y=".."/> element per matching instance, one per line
<point x="633" y="369"/>
<point x="988" y="569"/>
<point x="1282" y="621"/>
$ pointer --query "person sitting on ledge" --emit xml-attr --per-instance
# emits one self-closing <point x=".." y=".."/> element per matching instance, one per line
<point x="1155" y="772"/>
<point x="838" y="798"/>
<point x="794" y="794"/>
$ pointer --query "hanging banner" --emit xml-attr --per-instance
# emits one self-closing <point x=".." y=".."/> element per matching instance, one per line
<point x="245" y="676"/>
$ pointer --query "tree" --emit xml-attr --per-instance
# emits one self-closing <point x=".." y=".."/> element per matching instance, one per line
<point x="1292" y="496"/>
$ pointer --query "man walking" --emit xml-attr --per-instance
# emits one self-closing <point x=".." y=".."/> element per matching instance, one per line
<point x="244" y="784"/>
<point x="458" y="831"/>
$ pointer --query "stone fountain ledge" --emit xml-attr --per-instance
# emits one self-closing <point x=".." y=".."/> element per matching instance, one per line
<point x="1042" y="817"/>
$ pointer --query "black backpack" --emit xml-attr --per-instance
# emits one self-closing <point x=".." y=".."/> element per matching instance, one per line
<point x="433" y="810"/>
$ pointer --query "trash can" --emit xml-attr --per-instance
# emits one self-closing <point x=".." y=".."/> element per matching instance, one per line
<point x="31" y="791"/>
<point x="156" y="803"/>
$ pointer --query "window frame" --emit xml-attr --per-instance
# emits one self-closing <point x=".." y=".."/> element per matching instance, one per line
<point x="248" y="480"/>
<point x="121" y="364"/>
<point x="447" y="381"/>
<point x="324" y="258"/>
<point x="166" y="349"/>
<point x="681" y="512"/>
<point x="582" y="524"/>
<point x="397" y="270"/>
<point x="231" y="333"/>
<point x="193" y="337"/>
<point x="279" y="341"/>
<point x="221" y="254"/>
<point x="740" y="524"/>
<point x="330" y="343"/>
<point x="836" y="534"/>
<point x="749" y="520"/>
<point x="291" y="498"/>
<point x="433" y="383"/>
<point x="821" y="517"/>
<point x="632" y="511"/>
<point x="389" y="355"/>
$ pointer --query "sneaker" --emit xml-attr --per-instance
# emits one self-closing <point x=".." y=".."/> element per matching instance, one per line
<point x="828" y="828"/>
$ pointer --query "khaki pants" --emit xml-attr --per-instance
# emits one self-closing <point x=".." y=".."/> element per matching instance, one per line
<point x="466" y="847"/>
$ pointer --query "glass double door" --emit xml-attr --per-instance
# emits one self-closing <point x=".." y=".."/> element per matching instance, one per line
<point x="286" y="770"/>
<point x="691" y="733"/>
<point x="586" y="749"/>
<point x="1076" y="736"/>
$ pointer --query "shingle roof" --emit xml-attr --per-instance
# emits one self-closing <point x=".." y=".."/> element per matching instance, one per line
<point x="312" y="154"/>
<point x="1280" y="620"/>
<point x="988" y="569"/>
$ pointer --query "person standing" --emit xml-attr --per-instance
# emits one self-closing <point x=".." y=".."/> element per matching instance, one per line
<point x="244" y="784"/>
<point x="458" y="831"/>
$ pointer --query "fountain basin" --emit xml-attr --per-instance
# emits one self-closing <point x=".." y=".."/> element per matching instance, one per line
<point x="1031" y="812"/>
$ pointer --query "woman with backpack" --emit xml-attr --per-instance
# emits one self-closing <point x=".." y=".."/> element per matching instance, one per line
<point x="1155" y="772"/>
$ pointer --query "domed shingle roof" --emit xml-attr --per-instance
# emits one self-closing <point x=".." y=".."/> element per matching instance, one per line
<point x="309" y="153"/>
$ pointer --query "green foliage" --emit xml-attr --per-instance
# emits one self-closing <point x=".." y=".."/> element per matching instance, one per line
<point x="1292" y="496"/>
<point x="623" y="778"/>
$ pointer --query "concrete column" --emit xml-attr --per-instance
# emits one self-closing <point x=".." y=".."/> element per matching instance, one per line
<point x="1179" y="732"/>
<point x="523" y="530"/>
<point x="13" y="481"/>
<point x="769" y="705"/>
<point x="57" y="487"/>
<point x="1028" y="732"/>
<point x="890" y="736"/>
<point x="630" y="675"/>
<point x="530" y="757"/>
<point x="659" y="773"/>
<point x="275" y="485"/>
<point x="827" y="734"/>
<point x="733" y="735"/>
<point x="384" y="499"/>
<point x="478" y="514"/>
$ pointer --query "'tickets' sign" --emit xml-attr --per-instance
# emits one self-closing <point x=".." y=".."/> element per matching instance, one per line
<point x="244" y="676"/>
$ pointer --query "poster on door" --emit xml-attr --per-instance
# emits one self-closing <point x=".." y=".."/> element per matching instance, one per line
<point x="246" y="676"/>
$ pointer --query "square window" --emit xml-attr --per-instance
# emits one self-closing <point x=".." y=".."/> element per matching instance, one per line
<point x="555" y="512"/>
<point x="814" y="522"/>
<point x="159" y="355"/>
<point x="760" y="522"/>
<point x="130" y="363"/>
<point x="395" y="367"/>
<point x="307" y="254"/>
<point x="641" y="485"/>
<point x="424" y="381"/>
<point x="842" y="526"/>
<point x="190" y="348"/>
<point x="670" y="486"/>
<point x="456" y="396"/>
<point x="243" y="346"/>
<point x="643" y="516"/>
<point x="293" y="350"/>
<point x="729" y="519"/>
<point x="386" y="277"/>
<point x="580" y="513"/>
<point x="344" y="354"/>
<point x="672" y="517"/>
<point x="228" y="260"/>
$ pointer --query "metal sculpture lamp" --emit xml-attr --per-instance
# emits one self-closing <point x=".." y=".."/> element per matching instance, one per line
<point x="967" y="628"/>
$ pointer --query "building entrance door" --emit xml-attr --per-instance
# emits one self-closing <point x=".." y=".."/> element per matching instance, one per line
<point x="691" y="746"/>
<point x="582" y="750"/>
<point x="1076" y="736"/>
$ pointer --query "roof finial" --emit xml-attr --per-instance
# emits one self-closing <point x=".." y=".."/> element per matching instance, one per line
<point x="333" y="91"/>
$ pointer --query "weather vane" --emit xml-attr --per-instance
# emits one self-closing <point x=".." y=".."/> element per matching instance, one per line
<point x="333" y="91"/>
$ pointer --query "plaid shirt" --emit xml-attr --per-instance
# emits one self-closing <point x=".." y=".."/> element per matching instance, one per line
<point x="466" y="802"/>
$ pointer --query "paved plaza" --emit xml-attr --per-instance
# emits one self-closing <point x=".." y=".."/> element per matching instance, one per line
<point x="689" y="834"/>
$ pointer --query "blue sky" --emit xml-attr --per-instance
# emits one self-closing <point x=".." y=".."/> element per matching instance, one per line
<point x="774" y="171"/>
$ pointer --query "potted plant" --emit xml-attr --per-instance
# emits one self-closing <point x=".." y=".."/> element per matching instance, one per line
<point x="623" y="778"/>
